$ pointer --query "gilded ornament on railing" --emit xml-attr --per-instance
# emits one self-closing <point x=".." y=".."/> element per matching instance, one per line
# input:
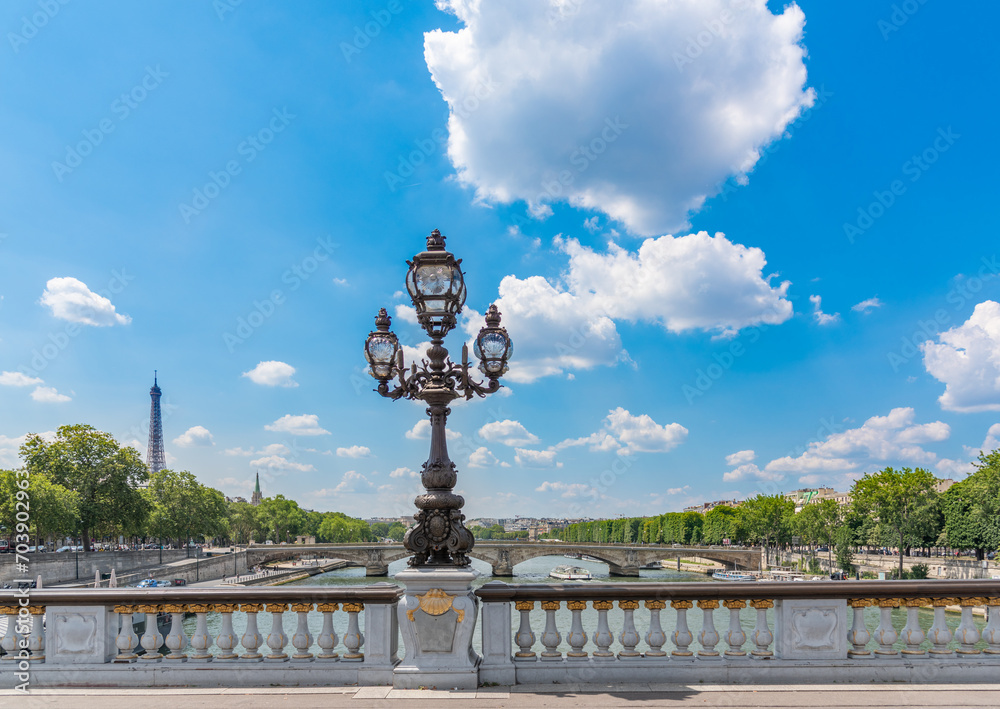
<point x="656" y="605"/>
<point x="149" y="608"/>
<point x="551" y="605"/>
<point x="175" y="607"/>
<point x="199" y="607"/>
<point x="940" y="602"/>
<point x="971" y="602"/>
<point x="36" y="610"/>
<point x="524" y="605"/>
<point x="708" y="604"/>
<point x="8" y="610"/>
<point x="118" y="609"/>
<point x="598" y="605"/>
<point x="734" y="604"/>
<point x="917" y="602"/>
<point x="762" y="603"/>
<point x="327" y="607"/>
<point x="435" y="602"/>
<point x="859" y="602"/>
<point x="580" y="605"/>
<point x="888" y="602"/>
<point x="302" y="607"/>
<point x="277" y="607"/>
<point x="251" y="607"/>
<point x="681" y="605"/>
<point x="225" y="607"/>
<point x="993" y="601"/>
<point x="626" y="605"/>
<point x="353" y="607"/>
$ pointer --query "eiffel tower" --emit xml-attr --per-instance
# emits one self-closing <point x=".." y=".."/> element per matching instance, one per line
<point x="155" y="458"/>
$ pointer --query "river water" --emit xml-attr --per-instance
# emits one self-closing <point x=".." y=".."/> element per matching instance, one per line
<point x="536" y="571"/>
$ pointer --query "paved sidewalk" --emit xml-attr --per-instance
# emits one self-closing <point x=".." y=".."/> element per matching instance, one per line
<point x="641" y="695"/>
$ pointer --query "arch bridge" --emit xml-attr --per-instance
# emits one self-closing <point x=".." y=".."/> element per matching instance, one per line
<point x="622" y="559"/>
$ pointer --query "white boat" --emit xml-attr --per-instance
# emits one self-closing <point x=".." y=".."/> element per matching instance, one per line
<point x="733" y="576"/>
<point x="570" y="573"/>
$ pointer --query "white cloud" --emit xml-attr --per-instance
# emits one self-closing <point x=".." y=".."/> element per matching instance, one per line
<point x="605" y="108"/>
<point x="277" y="462"/>
<point x="740" y="457"/>
<point x="750" y="471"/>
<point x="600" y="441"/>
<point x="404" y="472"/>
<point x="408" y="314"/>
<point x="482" y="458"/>
<point x="992" y="441"/>
<point x="421" y="431"/>
<point x="301" y="425"/>
<point x="49" y="395"/>
<point x="642" y="434"/>
<point x="354" y="481"/>
<point x="354" y="452"/>
<point x="17" y="379"/>
<point x="536" y="459"/>
<point x="678" y="490"/>
<point x="508" y="432"/>
<point x="882" y="440"/>
<point x="966" y="359"/>
<point x="821" y="317"/>
<point x="692" y="282"/>
<point x="272" y="374"/>
<point x="567" y="490"/>
<point x="341" y="282"/>
<point x="195" y="436"/>
<point x="866" y="306"/>
<point x="71" y="299"/>
<point x="271" y="449"/>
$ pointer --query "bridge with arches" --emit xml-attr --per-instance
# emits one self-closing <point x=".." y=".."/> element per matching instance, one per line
<point x="622" y="559"/>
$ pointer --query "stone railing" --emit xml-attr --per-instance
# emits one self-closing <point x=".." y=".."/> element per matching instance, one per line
<point x="746" y="632"/>
<point x="206" y="637"/>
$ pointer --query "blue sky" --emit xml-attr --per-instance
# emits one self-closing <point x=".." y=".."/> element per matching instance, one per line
<point x="739" y="247"/>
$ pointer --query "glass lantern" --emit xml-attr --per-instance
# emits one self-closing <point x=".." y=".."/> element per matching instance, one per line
<point x="382" y="348"/>
<point x="493" y="346"/>
<point x="436" y="287"/>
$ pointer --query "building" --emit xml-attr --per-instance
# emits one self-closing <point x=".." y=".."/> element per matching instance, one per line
<point x="706" y="506"/>
<point x="943" y="485"/>
<point x="804" y="496"/>
<point x="155" y="457"/>
<point x="256" y="498"/>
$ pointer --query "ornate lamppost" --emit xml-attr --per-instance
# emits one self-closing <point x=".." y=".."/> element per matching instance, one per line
<point x="437" y="288"/>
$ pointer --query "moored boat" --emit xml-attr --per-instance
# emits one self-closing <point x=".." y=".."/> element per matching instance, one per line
<point x="570" y="573"/>
<point x="733" y="576"/>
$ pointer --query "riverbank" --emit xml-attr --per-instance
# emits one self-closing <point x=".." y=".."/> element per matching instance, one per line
<point x="288" y="572"/>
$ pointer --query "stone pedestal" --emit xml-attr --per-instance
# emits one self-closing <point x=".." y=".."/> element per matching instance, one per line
<point x="810" y="629"/>
<point x="437" y="616"/>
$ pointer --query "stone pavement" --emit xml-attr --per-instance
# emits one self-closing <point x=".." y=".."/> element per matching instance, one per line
<point x="593" y="695"/>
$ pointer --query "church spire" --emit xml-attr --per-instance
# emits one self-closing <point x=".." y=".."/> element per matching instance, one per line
<point x="257" y="497"/>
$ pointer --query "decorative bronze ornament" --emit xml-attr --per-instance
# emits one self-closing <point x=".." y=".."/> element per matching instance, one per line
<point x="436" y="602"/>
<point x="436" y="286"/>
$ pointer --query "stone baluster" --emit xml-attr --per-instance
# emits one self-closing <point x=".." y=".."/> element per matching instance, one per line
<point x="682" y="636"/>
<point x="327" y="639"/>
<point x="176" y="639"/>
<point x="577" y="638"/>
<point x="302" y="639"/>
<point x="655" y="638"/>
<point x="151" y="639"/>
<point x="939" y="634"/>
<point x="735" y="637"/>
<point x="967" y="633"/>
<point x="629" y="637"/>
<point x="885" y="633"/>
<point x="709" y="636"/>
<point x="912" y="634"/>
<point x="276" y="639"/>
<point x="10" y="639"/>
<point x="201" y="641"/>
<point x="252" y="638"/>
<point x="551" y="637"/>
<point x="991" y="633"/>
<point x="603" y="637"/>
<point x="524" y="638"/>
<point x="126" y="641"/>
<point x="762" y="636"/>
<point x="226" y="640"/>
<point x="353" y="639"/>
<point x="858" y="636"/>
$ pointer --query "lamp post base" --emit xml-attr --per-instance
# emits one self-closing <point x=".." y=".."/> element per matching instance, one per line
<point x="437" y="617"/>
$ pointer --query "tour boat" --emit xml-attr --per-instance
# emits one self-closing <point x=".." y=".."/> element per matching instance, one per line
<point x="570" y="573"/>
<point x="733" y="576"/>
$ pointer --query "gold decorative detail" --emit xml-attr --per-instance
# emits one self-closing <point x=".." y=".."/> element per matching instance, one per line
<point x="118" y="609"/>
<point x="302" y="607"/>
<point x="941" y="602"/>
<point x="353" y="608"/>
<point x="762" y="603"/>
<point x="435" y="602"/>
<point x="149" y="608"/>
<point x="917" y="602"/>
<point x="888" y="602"/>
<point x="578" y="605"/>
<point x="524" y="605"/>
<point x="971" y="602"/>
<point x="550" y="605"/>
<point x="225" y="607"/>
<point x="993" y="601"/>
<point x="199" y="607"/>
<point x="251" y="607"/>
<point x="36" y="610"/>
<point x="859" y="602"/>
<point x="734" y="604"/>
<point x="327" y="607"/>
<point x="627" y="605"/>
<point x="708" y="605"/>
<point x="174" y="607"/>
<point x="598" y="605"/>
<point x="8" y="610"/>
<point x="276" y="607"/>
<point x="681" y="605"/>
<point x="656" y="605"/>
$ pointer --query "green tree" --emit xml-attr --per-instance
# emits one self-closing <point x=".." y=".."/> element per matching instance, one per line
<point x="244" y="522"/>
<point x="818" y="522"/>
<point x="282" y="516"/>
<point x="380" y="530"/>
<point x="767" y="519"/>
<point x="105" y="476"/>
<point x="844" y="538"/>
<point x="52" y="509"/>
<point x="901" y="500"/>
<point x="182" y="508"/>
<point x="971" y="508"/>
<point x="396" y="531"/>
<point x="720" y="524"/>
